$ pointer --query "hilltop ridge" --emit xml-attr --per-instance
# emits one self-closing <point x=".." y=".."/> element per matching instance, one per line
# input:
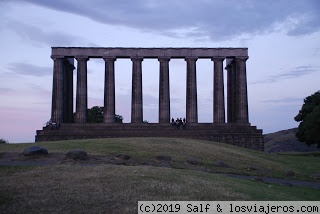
<point x="286" y="141"/>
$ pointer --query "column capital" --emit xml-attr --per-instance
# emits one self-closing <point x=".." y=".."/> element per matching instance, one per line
<point x="215" y="59"/>
<point x="57" y="57"/>
<point x="82" y="58"/>
<point x="164" y="58"/>
<point x="191" y="58"/>
<point x="137" y="58"/>
<point x="241" y="58"/>
<point x="109" y="59"/>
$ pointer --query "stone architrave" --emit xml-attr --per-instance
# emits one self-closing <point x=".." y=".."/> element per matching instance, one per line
<point x="82" y="90"/>
<point x="109" y="91"/>
<point x="191" y="95"/>
<point x="218" y="91"/>
<point x="136" y="101"/>
<point x="241" y="91"/>
<point x="164" y="91"/>
<point x="57" y="89"/>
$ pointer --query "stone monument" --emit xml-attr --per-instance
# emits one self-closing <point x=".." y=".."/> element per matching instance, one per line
<point x="234" y="129"/>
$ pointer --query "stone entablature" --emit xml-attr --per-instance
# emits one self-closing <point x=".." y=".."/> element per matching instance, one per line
<point x="97" y="52"/>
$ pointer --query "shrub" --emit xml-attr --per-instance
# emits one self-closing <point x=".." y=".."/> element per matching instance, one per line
<point x="3" y="141"/>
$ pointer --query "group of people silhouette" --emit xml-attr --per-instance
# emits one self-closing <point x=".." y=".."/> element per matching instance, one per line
<point x="53" y="124"/>
<point x="179" y="122"/>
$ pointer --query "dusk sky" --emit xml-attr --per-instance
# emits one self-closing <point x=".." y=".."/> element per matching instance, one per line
<point x="282" y="37"/>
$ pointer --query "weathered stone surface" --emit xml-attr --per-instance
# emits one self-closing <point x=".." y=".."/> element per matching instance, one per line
<point x="164" y="91"/>
<point x="192" y="161"/>
<point x="136" y="97"/>
<point x="34" y="150"/>
<point x="290" y="173"/>
<point x="82" y="91"/>
<point x="123" y="157"/>
<point x="109" y="91"/>
<point x="218" y="92"/>
<point x="163" y="158"/>
<point x="77" y="154"/>
<point x="240" y="135"/>
<point x="220" y="163"/>
<point x="191" y="91"/>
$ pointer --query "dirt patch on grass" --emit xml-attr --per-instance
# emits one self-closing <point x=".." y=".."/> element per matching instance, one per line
<point x="15" y="158"/>
<point x="18" y="159"/>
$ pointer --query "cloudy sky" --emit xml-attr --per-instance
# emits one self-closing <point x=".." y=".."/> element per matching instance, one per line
<point x="283" y="38"/>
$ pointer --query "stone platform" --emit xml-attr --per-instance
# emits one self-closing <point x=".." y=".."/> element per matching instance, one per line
<point x="243" y="135"/>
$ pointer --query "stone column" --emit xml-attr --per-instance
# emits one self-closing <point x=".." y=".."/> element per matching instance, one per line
<point x="136" y="101"/>
<point x="109" y="91"/>
<point x="57" y="89"/>
<point x="231" y="95"/>
<point x="218" y="91"/>
<point x="241" y="90"/>
<point x="229" y="98"/>
<point x="164" y="91"/>
<point x="191" y="98"/>
<point x="82" y="94"/>
<point x="68" y="90"/>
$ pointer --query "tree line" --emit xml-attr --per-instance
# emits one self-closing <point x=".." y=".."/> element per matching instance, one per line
<point x="95" y="115"/>
<point x="309" y="118"/>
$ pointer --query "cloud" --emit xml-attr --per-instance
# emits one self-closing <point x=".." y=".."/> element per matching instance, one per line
<point x="214" y="20"/>
<point x="6" y="91"/>
<point x="305" y="24"/>
<point x="39" y="37"/>
<point x="287" y="100"/>
<point x="29" y="69"/>
<point x="296" y="72"/>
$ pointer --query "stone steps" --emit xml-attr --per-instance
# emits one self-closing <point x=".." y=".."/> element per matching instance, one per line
<point x="236" y="134"/>
<point x="146" y="129"/>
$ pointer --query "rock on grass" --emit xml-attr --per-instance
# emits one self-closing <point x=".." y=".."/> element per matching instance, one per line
<point x="290" y="173"/>
<point x="77" y="154"/>
<point x="34" y="150"/>
<point x="163" y="158"/>
<point x="192" y="161"/>
<point x="123" y="157"/>
<point x="220" y="163"/>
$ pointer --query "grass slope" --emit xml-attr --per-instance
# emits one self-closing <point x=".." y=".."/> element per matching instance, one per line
<point x="286" y="141"/>
<point x="104" y="188"/>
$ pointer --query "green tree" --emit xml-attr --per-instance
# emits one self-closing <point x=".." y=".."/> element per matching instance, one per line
<point x="309" y="118"/>
<point x="118" y="118"/>
<point x="3" y="141"/>
<point x="95" y="115"/>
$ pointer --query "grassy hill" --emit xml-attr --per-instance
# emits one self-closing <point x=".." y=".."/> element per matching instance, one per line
<point x="97" y="186"/>
<point x="286" y="141"/>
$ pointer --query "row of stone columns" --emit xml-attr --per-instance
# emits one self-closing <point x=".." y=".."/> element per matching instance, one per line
<point x="237" y="101"/>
